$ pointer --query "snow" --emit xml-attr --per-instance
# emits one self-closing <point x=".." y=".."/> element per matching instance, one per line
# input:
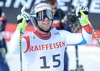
<point x="89" y="57"/>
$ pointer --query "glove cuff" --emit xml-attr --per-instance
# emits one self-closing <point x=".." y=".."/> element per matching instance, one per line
<point x="83" y="21"/>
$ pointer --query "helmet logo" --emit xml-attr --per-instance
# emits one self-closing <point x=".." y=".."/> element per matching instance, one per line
<point x="43" y="6"/>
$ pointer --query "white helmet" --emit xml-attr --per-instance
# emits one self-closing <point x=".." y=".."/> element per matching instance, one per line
<point x="41" y="6"/>
<point x="40" y="11"/>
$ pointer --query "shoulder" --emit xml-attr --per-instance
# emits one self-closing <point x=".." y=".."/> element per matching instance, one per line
<point x="61" y="32"/>
<point x="60" y="13"/>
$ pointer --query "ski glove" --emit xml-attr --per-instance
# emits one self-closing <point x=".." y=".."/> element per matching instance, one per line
<point x="81" y="9"/>
<point x="22" y="20"/>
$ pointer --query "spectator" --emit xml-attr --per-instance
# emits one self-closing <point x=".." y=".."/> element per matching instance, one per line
<point x="3" y="47"/>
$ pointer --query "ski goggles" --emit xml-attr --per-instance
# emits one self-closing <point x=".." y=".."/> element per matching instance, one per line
<point x="41" y="15"/>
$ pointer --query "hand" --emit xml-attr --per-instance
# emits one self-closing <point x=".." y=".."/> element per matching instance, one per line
<point x="23" y="19"/>
<point x="23" y="15"/>
<point x="82" y="14"/>
<point x="81" y="8"/>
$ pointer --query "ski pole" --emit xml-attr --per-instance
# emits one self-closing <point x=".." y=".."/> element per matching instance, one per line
<point x="21" y="45"/>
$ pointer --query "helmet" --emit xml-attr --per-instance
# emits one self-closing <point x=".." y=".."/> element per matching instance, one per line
<point x="39" y="7"/>
<point x="40" y="11"/>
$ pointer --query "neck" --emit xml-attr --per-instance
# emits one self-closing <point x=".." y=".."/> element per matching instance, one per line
<point x="42" y="35"/>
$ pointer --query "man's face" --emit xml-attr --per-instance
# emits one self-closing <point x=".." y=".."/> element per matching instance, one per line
<point x="44" y="19"/>
<point x="45" y="24"/>
<point x="54" y="8"/>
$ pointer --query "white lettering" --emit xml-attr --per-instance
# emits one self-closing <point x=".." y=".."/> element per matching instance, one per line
<point x="25" y="3"/>
<point x="37" y="1"/>
<point x="8" y="3"/>
<point x="1" y="3"/>
<point x="83" y="2"/>
<point x="62" y="4"/>
<point x="95" y="6"/>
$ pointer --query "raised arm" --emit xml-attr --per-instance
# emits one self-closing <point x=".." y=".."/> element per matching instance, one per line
<point x="86" y="35"/>
<point x="22" y="20"/>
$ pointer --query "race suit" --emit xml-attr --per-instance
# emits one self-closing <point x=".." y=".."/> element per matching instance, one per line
<point x="48" y="55"/>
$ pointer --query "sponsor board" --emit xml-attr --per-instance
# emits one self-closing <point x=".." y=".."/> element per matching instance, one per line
<point x="12" y="8"/>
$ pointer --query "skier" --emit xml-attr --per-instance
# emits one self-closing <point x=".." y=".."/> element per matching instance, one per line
<point x="45" y="47"/>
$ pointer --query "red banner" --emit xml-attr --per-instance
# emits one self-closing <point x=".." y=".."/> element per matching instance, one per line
<point x="10" y="28"/>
